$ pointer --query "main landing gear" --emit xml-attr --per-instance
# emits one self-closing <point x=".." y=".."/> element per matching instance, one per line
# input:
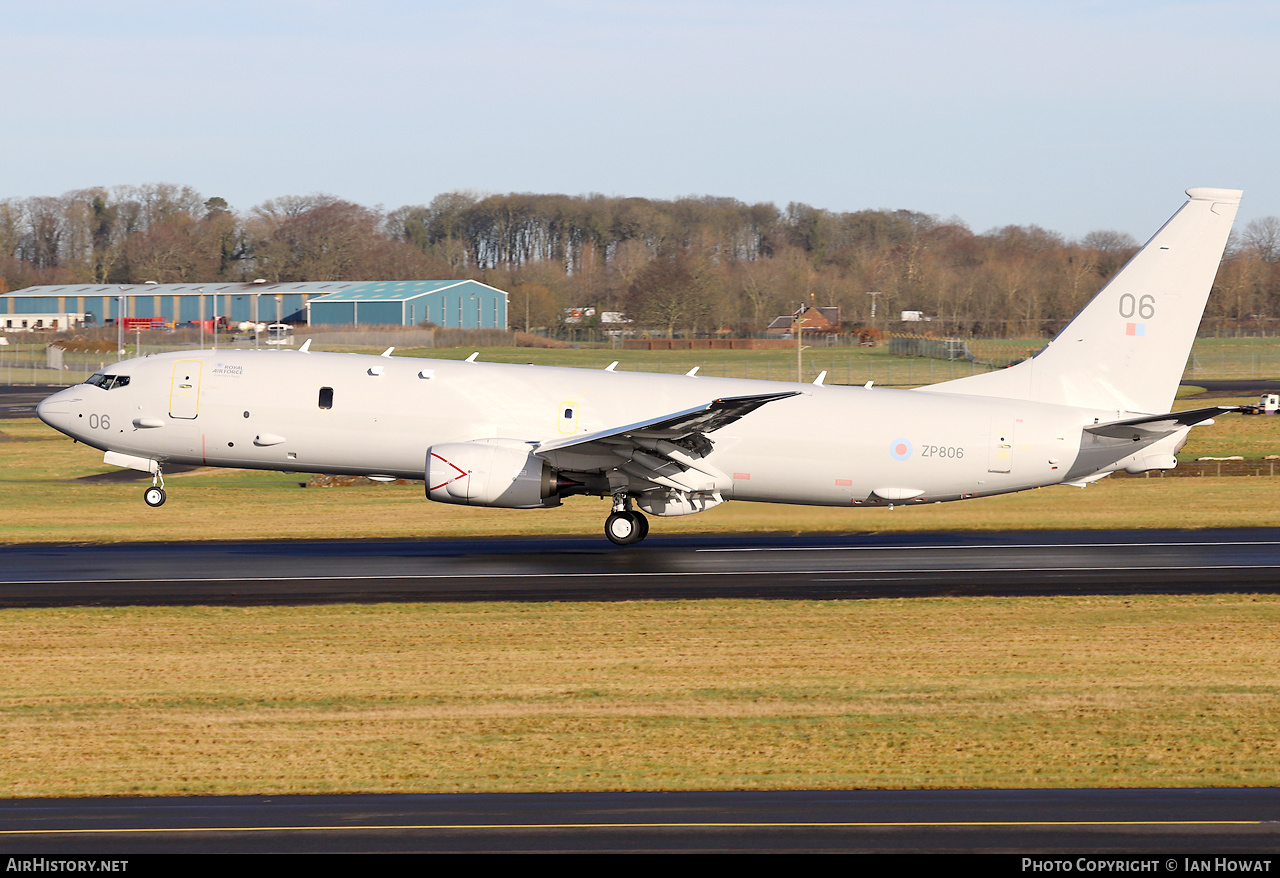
<point x="155" y="495"/>
<point x="624" y="526"/>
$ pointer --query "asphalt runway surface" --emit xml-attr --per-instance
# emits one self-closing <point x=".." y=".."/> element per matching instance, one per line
<point x="1162" y="824"/>
<point x="820" y="567"/>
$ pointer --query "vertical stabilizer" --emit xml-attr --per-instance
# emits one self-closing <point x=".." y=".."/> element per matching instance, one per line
<point x="1127" y="349"/>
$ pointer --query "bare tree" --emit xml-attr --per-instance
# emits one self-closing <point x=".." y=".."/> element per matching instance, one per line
<point x="671" y="291"/>
<point x="1111" y="249"/>
<point x="1263" y="236"/>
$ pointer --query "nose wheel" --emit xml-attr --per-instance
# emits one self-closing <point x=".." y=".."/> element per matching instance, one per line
<point x="155" y="495"/>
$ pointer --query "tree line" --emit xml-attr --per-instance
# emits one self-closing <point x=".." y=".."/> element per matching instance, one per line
<point x="689" y="266"/>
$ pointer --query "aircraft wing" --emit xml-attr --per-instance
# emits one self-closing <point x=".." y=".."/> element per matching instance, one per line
<point x="1150" y="426"/>
<point x="665" y="450"/>
<point x="680" y="425"/>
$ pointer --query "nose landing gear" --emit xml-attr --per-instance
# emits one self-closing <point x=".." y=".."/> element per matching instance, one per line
<point x="155" y="495"/>
<point x="624" y="526"/>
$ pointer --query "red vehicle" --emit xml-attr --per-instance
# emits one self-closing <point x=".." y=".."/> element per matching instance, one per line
<point x="133" y="324"/>
<point x="207" y="325"/>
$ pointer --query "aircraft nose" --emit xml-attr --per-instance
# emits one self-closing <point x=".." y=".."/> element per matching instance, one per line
<point x="55" y="410"/>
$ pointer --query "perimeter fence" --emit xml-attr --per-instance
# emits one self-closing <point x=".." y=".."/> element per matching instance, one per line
<point x="24" y="360"/>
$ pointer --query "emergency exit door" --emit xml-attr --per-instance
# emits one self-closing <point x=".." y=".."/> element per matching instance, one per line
<point x="184" y="389"/>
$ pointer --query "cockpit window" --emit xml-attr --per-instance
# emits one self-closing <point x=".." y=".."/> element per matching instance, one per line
<point x="107" y="382"/>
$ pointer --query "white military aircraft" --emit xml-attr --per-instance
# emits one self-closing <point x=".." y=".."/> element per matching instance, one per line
<point x="1095" y="400"/>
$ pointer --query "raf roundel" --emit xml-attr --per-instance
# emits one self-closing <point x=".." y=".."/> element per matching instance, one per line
<point x="900" y="449"/>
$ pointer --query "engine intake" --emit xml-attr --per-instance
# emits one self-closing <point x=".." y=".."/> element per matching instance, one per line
<point x="490" y="472"/>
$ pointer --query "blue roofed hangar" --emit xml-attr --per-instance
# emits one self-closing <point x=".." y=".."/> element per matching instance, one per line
<point x="449" y="304"/>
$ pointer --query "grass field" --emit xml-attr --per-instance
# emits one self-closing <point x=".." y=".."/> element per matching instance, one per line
<point x="1027" y="692"/>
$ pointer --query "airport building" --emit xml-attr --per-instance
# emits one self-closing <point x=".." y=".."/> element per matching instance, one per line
<point x="451" y="304"/>
<point x="466" y="304"/>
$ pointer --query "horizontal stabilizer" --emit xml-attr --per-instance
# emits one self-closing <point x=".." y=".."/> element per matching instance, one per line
<point x="1150" y="426"/>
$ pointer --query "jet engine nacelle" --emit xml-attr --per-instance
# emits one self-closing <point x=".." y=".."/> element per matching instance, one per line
<point x="490" y="472"/>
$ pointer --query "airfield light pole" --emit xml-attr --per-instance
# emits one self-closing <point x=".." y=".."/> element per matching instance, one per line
<point x="120" y="327"/>
<point x="200" y="290"/>
<point x="874" y="298"/>
<point x="797" y="320"/>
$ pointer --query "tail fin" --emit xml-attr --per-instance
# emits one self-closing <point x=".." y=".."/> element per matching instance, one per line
<point x="1127" y="349"/>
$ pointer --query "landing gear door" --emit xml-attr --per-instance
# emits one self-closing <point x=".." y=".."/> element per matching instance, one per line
<point x="184" y="389"/>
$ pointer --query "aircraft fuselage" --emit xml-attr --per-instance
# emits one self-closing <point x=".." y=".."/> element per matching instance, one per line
<point x="369" y="415"/>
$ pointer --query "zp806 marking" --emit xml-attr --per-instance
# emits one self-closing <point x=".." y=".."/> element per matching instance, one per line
<point x="954" y="452"/>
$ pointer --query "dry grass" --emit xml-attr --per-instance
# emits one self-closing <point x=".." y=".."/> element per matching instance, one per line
<point x="1097" y="691"/>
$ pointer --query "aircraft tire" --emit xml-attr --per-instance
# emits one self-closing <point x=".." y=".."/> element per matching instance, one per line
<point x="625" y="528"/>
<point x="154" y="496"/>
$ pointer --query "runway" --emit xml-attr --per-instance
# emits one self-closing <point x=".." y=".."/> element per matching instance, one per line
<point x="772" y="567"/>
<point x="1162" y="824"/>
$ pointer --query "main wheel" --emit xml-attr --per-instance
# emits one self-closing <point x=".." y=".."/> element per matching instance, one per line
<point x="154" y="496"/>
<point x="643" y="524"/>
<point x="625" y="528"/>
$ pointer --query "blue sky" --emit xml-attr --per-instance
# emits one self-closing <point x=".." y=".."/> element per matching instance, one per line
<point x="1073" y="115"/>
